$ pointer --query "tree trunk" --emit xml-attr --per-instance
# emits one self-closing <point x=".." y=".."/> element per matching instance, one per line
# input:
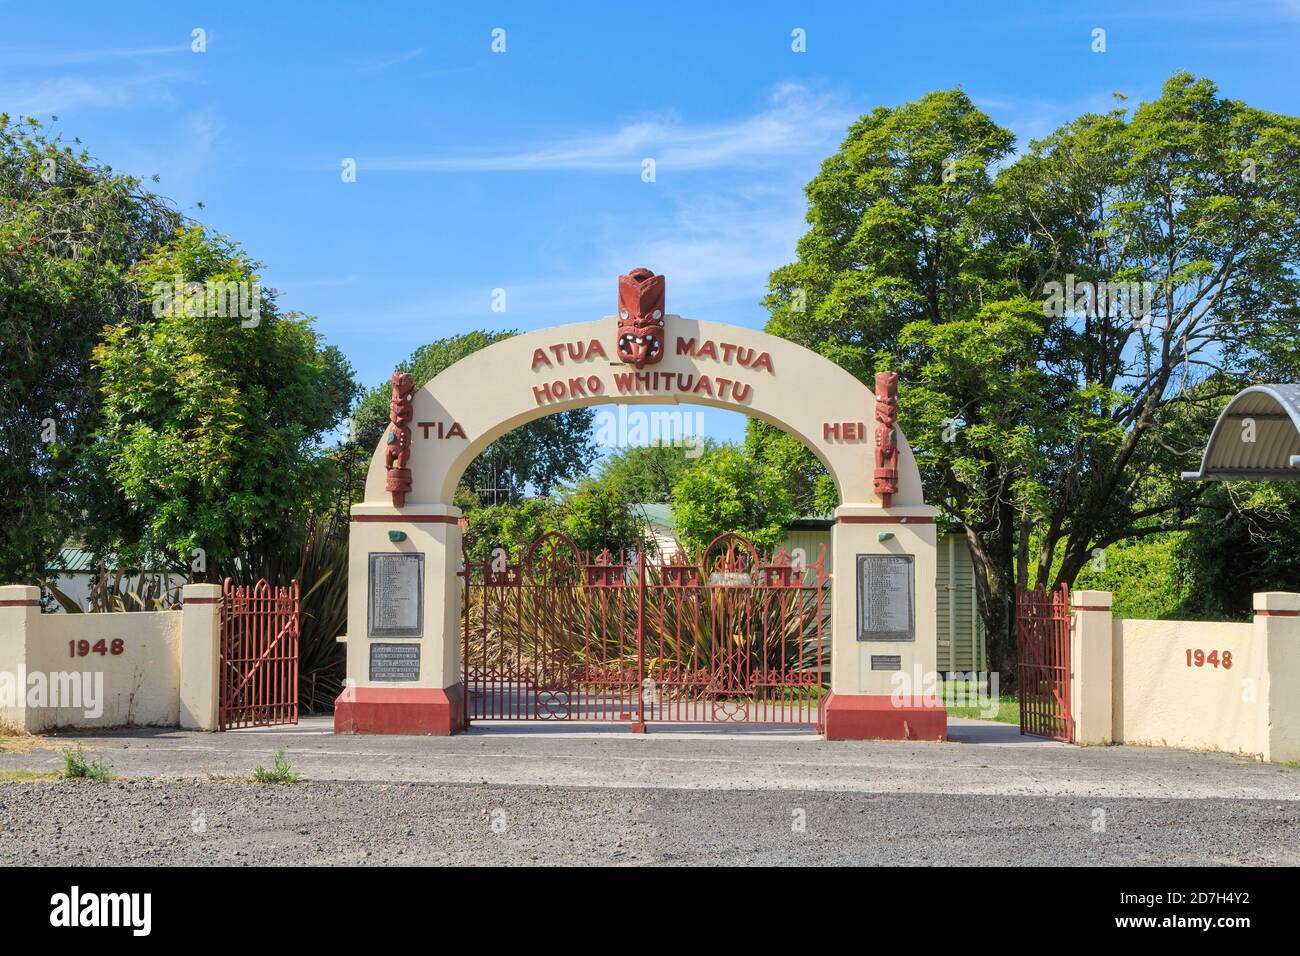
<point x="995" y="596"/>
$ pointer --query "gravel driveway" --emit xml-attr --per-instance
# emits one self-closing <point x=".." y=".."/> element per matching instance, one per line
<point x="511" y="795"/>
<point x="148" y="822"/>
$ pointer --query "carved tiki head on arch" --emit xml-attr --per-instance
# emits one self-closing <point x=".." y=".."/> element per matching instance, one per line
<point x="641" y="339"/>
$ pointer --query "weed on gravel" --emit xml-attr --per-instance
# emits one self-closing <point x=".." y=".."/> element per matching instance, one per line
<point x="77" y="766"/>
<point x="281" y="771"/>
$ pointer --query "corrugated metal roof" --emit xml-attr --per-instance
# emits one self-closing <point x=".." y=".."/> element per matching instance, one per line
<point x="656" y="513"/>
<point x="1273" y="455"/>
<point x="73" y="560"/>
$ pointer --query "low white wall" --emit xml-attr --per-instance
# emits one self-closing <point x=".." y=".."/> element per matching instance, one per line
<point x="152" y="668"/>
<point x="1159" y="700"/>
<point x="1139" y="682"/>
<point x="140" y="686"/>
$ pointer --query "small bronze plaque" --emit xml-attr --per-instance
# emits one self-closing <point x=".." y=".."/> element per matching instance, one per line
<point x="394" y="662"/>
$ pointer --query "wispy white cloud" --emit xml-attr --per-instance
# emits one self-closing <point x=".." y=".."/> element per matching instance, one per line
<point x="60" y="94"/>
<point x="377" y="64"/>
<point x="716" y="245"/>
<point x="53" y="57"/>
<point x="180" y="155"/>
<point x="717" y="241"/>
<point x="795" y="122"/>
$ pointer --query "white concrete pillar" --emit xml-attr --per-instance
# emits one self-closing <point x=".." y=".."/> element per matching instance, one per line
<point x="1277" y="629"/>
<point x="374" y="702"/>
<point x="19" y="608"/>
<point x="1092" y="644"/>
<point x="884" y="689"/>
<point x="200" y="656"/>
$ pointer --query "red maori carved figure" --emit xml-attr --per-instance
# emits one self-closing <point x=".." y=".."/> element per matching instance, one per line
<point x="398" y="438"/>
<point x="641" y="318"/>
<point x="886" y="476"/>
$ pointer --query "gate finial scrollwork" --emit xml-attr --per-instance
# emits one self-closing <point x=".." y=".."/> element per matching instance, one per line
<point x="554" y="557"/>
<point x="730" y="553"/>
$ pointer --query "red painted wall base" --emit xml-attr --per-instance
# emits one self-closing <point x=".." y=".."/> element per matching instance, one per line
<point x="880" y="717"/>
<point x="400" y="710"/>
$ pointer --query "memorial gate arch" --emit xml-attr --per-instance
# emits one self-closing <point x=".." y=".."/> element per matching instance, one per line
<point x="403" y="643"/>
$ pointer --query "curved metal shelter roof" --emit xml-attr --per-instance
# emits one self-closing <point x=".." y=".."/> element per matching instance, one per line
<point x="1274" y="452"/>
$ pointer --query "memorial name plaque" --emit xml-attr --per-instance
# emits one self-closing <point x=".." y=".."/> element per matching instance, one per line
<point x="396" y="606"/>
<point x="394" y="661"/>
<point x="886" y="662"/>
<point x="886" y="597"/>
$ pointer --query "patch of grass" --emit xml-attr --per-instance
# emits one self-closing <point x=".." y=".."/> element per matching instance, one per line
<point x="961" y="699"/>
<point x="76" y="766"/>
<point x="1008" y="711"/>
<point x="27" y="776"/>
<point x="280" y="772"/>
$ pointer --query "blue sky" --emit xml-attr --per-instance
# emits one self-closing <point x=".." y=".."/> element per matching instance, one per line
<point x="522" y="170"/>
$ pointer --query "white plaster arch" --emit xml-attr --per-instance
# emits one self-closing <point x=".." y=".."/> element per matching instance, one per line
<point x="496" y="389"/>
<point x="512" y="382"/>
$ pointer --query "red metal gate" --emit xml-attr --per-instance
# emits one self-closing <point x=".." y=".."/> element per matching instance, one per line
<point x="1043" y="662"/>
<point x="730" y="637"/>
<point x="259" y="655"/>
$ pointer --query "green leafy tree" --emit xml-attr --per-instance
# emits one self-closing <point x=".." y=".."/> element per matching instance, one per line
<point x="511" y="526"/>
<point x="593" y="513"/>
<point x="1146" y="577"/>
<point x="1247" y="540"/>
<point x="213" y="423"/>
<point x="1053" y="428"/>
<point x="812" y="490"/>
<point x="541" y="454"/>
<point x="598" y="516"/>
<point x="727" y="490"/>
<point x="647" y="473"/>
<point x="70" y="231"/>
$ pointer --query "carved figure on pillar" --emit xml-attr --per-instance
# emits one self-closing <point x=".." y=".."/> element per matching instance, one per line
<point x="397" y="452"/>
<point x="886" y="474"/>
